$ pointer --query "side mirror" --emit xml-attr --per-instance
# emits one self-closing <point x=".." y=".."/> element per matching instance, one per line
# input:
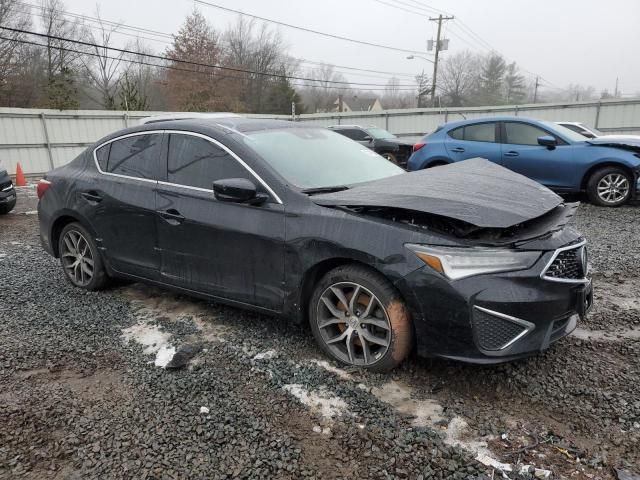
<point x="368" y="138"/>
<point x="547" y="141"/>
<point x="237" y="190"/>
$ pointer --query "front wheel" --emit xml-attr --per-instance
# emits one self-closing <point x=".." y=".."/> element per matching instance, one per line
<point x="609" y="187"/>
<point x="359" y="319"/>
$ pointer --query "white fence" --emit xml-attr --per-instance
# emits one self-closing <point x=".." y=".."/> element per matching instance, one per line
<point x="44" y="139"/>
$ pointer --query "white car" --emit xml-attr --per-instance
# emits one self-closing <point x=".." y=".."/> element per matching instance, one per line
<point x="582" y="129"/>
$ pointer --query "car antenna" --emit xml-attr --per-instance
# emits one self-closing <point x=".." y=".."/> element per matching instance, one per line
<point x="462" y="115"/>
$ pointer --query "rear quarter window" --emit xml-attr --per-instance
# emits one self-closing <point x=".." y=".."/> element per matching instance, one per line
<point x="137" y="156"/>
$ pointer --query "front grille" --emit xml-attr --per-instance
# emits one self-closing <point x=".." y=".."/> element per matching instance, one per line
<point x="568" y="265"/>
<point x="493" y="332"/>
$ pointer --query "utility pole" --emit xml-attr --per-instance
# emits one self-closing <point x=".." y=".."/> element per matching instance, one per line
<point x="616" y="91"/>
<point x="535" y="91"/>
<point x="440" y="19"/>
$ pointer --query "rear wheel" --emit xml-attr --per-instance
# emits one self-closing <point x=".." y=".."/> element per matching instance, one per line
<point x="80" y="258"/>
<point x="609" y="187"/>
<point x="359" y="319"/>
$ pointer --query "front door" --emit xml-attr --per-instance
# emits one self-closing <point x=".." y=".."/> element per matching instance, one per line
<point x="119" y="202"/>
<point x="229" y="250"/>
<point x="522" y="154"/>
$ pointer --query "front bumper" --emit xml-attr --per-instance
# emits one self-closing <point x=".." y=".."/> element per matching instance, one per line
<point x="496" y="317"/>
<point x="8" y="198"/>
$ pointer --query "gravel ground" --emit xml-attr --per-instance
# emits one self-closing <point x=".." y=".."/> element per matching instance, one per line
<point x="81" y="395"/>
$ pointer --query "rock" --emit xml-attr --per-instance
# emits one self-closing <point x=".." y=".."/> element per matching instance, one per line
<point x="183" y="355"/>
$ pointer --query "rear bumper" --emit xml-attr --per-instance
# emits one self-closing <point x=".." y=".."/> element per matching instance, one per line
<point x="493" y="318"/>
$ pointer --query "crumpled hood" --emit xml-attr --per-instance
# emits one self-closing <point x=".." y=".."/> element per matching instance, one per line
<point x="624" y="141"/>
<point x="475" y="191"/>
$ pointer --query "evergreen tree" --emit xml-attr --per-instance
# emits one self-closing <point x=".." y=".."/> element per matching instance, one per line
<point x="515" y="85"/>
<point x="280" y="96"/>
<point x="492" y="75"/>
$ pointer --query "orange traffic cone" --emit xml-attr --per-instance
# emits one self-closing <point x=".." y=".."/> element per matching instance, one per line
<point x="20" y="180"/>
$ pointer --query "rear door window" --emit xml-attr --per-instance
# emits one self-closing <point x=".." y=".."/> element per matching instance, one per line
<point x="353" y="134"/>
<point x="480" y="132"/>
<point x="136" y="156"/>
<point x="197" y="162"/>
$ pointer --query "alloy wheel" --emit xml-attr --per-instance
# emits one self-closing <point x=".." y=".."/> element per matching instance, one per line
<point x="613" y="188"/>
<point x="353" y="324"/>
<point x="77" y="258"/>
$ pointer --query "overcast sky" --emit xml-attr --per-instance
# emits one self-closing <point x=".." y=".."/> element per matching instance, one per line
<point x="590" y="42"/>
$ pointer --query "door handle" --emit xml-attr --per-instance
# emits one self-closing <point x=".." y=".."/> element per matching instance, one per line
<point x="511" y="154"/>
<point x="92" y="197"/>
<point x="172" y="216"/>
<point x="457" y="149"/>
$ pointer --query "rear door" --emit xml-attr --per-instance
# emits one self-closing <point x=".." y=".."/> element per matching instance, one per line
<point x="522" y="154"/>
<point x="119" y="202"/>
<point x="229" y="250"/>
<point x="478" y="140"/>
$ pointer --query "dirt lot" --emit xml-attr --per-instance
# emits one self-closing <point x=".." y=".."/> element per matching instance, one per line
<point x="81" y="395"/>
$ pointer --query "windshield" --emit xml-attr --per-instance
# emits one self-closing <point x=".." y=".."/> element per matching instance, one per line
<point x="318" y="158"/>
<point x="565" y="132"/>
<point x="380" y="133"/>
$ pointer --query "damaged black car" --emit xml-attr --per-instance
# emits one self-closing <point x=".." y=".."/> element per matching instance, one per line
<point x="469" y="261"/>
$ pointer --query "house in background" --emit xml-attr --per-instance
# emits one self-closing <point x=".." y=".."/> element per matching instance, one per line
<point x="357" y="104"/>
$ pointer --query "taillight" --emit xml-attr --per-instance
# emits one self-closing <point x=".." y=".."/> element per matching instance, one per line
<point x="418" y="146"/>
<point x="42" y="187"/>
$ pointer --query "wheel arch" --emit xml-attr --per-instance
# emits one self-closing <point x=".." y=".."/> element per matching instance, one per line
<point x="61" y="221"/>
<point x="437" y="162"/>
<point x="604" y="164"/>
<point x="318" y="270"/>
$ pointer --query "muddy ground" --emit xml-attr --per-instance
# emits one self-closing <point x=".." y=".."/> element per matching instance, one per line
<point x="83" y="393"/>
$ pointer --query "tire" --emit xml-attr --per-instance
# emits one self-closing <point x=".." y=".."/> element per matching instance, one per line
<point x="609" y="187"/>
<point x="77" y="244"/>
<point x="377" y="338"/>
<point x="391" y="157"/>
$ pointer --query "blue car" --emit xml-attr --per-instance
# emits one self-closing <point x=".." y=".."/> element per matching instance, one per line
<point x="606" y="168"/>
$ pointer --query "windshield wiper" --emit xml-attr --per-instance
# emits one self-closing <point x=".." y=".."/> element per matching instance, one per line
<point x="336" y="188"/>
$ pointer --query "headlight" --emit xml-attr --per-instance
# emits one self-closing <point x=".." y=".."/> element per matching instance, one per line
<point x="457" y="263"/>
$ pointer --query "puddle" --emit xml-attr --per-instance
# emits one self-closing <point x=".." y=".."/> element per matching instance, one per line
<point x="319" y="401"/>
<point x="607" y="336"/>
<point x="424" y="413"/>
<point x="153" y="304"/>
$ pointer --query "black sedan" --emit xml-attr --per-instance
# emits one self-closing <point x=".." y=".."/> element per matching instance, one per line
<point x="380" y="141"/>
<point x="468" y="261"/>
<point x="7" y="192"/>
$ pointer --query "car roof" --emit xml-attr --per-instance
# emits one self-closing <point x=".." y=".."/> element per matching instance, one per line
<point x="223" y="125"/>
<point x="186" y="116"/>
<point x="504" y="118"/>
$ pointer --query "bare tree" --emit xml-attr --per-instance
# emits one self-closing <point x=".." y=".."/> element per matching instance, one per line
<point x="12" y="16"/>
<point x="321" y="94"/>
<point x="459" y="78"/>
<point x="103" y="66"/>
<point x="62" y="57"/>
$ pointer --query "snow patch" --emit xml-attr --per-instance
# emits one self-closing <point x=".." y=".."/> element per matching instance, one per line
<point x="319" y="401"/>
<point x="204" y="410"/>
<point x="424" y="412"/>
<point x="164" y="355"/>
<point x="149" y="336"/>
<point x="458" y="436"/>
<point x="268" y="355"/>
<point x="31" y="212"/>
<point x="343" y="374"/>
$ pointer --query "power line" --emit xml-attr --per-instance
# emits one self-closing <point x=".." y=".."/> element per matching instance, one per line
<point x="169" y="42"/>
<point x="308" y="30"/>
<point x="199" y="64"/>
<point x="170" y="67"/>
